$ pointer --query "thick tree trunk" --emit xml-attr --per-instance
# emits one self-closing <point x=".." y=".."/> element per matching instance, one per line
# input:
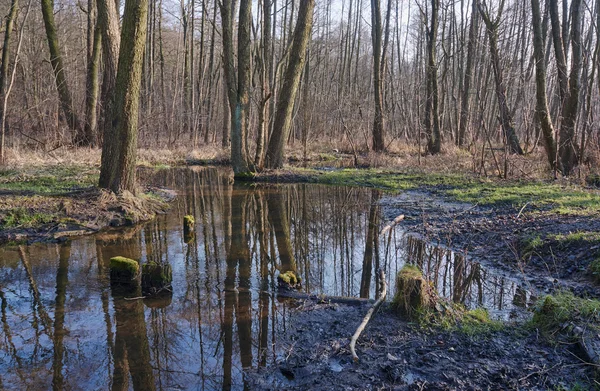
<point x="60" y="77"/>
<point x="108" y="21"/>
<point x="241" y="112"/>
<point x="119" y="176"/>
<point x="541" y="111"/>
<point x="378" y="124"/>
<point x="282" y="120"/>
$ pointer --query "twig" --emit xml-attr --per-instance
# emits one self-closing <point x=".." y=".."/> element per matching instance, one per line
<point x="522" y="209"/>
<point x="369" y="314"/>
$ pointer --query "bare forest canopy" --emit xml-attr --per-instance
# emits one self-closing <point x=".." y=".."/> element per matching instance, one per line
<point x="514" y="75"/>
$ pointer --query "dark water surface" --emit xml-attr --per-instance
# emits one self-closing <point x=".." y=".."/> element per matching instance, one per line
<point x="64" y="327"/>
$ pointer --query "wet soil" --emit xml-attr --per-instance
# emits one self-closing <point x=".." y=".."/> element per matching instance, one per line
<point x="397" y="355"/>
<point x="498" y="237"/>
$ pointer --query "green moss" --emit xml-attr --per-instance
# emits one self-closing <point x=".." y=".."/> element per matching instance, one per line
<point x="289" y="278"/>
<point x="189" y="220"/>
<point x="123" y="269"/>
<point x="553" y="311"/>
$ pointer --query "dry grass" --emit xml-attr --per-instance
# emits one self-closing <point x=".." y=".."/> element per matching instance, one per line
<point x="403" y="156"/>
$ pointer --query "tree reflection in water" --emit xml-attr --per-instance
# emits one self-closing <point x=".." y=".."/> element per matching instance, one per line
<point x="223" y="314"/>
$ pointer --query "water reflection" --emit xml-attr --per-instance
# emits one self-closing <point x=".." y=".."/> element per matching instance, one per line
<point x="466" y="282"/>
<point x="64" y="326"/>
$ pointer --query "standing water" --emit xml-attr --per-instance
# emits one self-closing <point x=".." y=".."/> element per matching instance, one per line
<point x="65" y="327"/>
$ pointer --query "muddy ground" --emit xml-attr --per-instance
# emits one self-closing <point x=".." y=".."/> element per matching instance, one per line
<point x="499" y="237"/>
<point x="397" y="355"/>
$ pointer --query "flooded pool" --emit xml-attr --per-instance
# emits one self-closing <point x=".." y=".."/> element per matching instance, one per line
<point x="65" y="327"/>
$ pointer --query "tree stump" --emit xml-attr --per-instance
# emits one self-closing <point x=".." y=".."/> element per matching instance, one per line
<point x="124" y="270"/>
<point x="413" y="292"/>
<point x="188" y="228"/>
<point x="156" y="278"/>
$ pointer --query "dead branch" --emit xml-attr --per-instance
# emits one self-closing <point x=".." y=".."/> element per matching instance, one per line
<point x="369" y="314"/>
<point x="391" y="225"/>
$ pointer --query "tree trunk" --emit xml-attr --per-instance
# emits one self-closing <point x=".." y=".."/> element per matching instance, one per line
<point x="241" y="113"/>
<point x="378" y="124"/>
<point x="108" y="21"/>
<point x="10" y="22"/>
<point x="60" y="77"/>
<point x="542" y="112"/>
<point x="567" y="142"/>
<point x="91" y="100"/>
<point x="282" y="120"/>
<point x="432" y="117"/>
<point x="119" y="176"/>
<point x="465" y="103"/>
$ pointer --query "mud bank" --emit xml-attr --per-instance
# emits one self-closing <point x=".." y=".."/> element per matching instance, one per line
<point x="398" y="355"/>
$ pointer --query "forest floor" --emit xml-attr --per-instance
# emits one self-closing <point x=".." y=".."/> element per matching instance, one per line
<point x="546" y="232"/>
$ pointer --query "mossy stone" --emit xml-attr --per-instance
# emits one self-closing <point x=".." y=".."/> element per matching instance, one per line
<point x="123" y="269"/>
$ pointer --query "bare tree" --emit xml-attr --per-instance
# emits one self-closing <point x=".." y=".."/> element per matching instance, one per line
<point x="505" y="114"/>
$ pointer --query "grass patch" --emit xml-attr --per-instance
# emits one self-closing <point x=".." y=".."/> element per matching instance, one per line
<point x="553" y="313"/>
<point x="23" y="218"/>
<point x="577" y="237"/>
<point x="536" y="194"/>
<point x="530" y="245"/>
<point x="54" y="179"/>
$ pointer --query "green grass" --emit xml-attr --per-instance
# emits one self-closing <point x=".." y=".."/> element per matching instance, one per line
<point x="49" y="179"/>
<point x="516" y="194"/>
<point x="554" y="311"/>
<point x="575" y="237"/>
<point x="22" y="218"/>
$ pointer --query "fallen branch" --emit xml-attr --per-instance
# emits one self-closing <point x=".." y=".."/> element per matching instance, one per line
<point x="322" y="298"/>
<point x="369" y="314"/>
<point x="391" y="225"/>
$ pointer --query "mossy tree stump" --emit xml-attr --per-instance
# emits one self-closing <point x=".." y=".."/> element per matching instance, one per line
<point x="188" y="228"/>
<point x="413" y="292"/>
<point x="289" y="280"/>
<point x="156" y="278"/>
<point x="124" y="270"/>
